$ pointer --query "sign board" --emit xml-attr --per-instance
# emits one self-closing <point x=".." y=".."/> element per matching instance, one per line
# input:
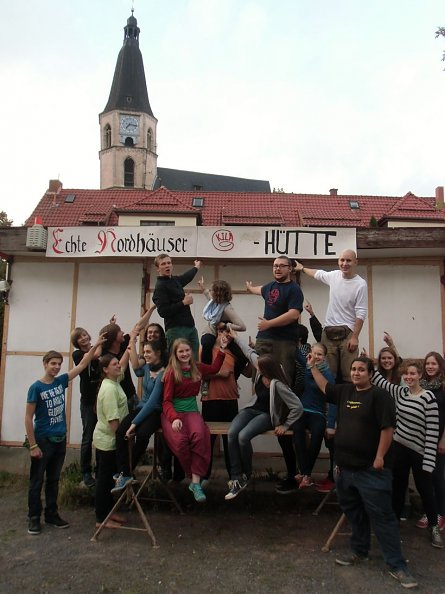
<point x="251" y="243"/>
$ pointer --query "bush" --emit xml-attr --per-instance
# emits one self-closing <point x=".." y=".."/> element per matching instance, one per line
<point x="72" y="491"/>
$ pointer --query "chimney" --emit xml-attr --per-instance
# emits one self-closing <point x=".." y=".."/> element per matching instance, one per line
<point x="333" y="191"/>
<point x="439" y="198"/>
<point x="55" y="185"/>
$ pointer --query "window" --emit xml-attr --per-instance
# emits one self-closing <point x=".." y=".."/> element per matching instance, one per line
<point x="129" y="173"/>
<point x="197" y="188"/>
<point x="198" y="202"/>
<point x="69" y="198"/>
<point x="354" y="204"/>
<point x="129" y="141"/>
<point x="149" y="139"/>
<point x="157" y="223"/>
<point x="107" y="136"/>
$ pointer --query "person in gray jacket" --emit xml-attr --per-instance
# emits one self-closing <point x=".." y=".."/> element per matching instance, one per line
<point x="274" y="407"/>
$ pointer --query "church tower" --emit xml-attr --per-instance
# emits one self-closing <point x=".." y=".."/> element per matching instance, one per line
<point x="127" y="125"/>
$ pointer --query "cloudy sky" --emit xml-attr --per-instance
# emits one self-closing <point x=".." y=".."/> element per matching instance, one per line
<point x="309" y="94"/>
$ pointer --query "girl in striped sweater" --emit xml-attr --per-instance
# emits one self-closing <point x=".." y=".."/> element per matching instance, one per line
<point x="433" y="379"/>
<point x="415" y="442"/>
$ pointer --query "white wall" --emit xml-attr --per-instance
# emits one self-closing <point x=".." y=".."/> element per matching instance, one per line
<point x="406" y="302"/>
<point x="104" y="290"/>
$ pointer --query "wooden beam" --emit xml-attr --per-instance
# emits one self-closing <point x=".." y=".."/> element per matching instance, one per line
<point x="408" y="237"/>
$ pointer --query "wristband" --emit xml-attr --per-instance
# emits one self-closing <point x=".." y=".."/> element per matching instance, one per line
<point x="302" y="269"/>
<point x="33" y="447"/>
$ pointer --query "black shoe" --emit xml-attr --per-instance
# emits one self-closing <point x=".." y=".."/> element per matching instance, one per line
<point x="88" y="480"/>
<point x="288" y="485"/>
<point x="34" y="525"/>
<point x="56" y="521"/>
<point x="351" y="559"/>
<point x="404" y="577"/>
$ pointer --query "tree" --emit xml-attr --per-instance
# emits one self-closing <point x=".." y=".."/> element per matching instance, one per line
<point x="441" y="33"/>
<point x="4" y="222"/>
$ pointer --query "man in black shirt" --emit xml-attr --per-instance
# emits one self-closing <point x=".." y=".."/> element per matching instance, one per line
<point x="366" y="419"/>
<point x="174" y="304"/>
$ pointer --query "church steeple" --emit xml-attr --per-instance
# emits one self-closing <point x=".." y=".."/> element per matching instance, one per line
<point x="129" y="88"/>
<point x="128" y="127"/>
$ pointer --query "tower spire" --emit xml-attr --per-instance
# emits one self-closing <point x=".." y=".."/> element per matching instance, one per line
<point x="127" y="153"/>
<point x="129" y="87"/>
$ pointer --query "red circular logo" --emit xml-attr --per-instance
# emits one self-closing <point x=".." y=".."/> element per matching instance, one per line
<point x="222" y="240"/>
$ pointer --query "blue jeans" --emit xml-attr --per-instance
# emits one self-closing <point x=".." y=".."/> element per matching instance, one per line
<point x="51" y="463"/>
<point x="89" y="420"/>
<point x="248" y="423"/>
<point x="307" y="455"/>
<point x="365" y="497"/>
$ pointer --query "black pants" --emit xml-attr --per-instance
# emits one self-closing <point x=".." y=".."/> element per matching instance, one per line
<point x="405" y="460"/>
<point x="106" y="467"/>
<point x="51" y="464"/>
<point x="223" y="411"/>
<point x="142" y="436"/>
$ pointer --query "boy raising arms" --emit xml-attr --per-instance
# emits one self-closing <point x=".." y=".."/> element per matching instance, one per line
<point x="45" y="425"/>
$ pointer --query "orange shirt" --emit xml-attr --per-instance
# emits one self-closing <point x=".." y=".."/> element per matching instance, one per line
<point x="223" y="388"/>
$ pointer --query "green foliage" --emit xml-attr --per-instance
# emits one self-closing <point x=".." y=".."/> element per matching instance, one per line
<point x="72" y="492"/>
<point x="11" y="482"/>
<point x="441" y="33"/>
<point x="373" y="222"/>
<point x="4" y="221"/>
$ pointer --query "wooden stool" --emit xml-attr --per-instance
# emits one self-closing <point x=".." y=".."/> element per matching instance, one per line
<point x="128" y="496"/>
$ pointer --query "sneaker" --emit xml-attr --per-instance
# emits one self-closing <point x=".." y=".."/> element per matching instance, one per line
<point x="34" y="525"/>
<point x="404" y="577"/>
<point x="436" y="538"/>
<point x="204" y="388"/>
<point x="198" y="493"/>
<point x="306" y="481"/>
<point x="88" y="480"/>
<point x="325" y="486"/>
<point x="351" y="559"/>
<point x="441" y="522"/>
<point x="56" y="521"/>
<point x="423" y="522"/>
<point x="288" y="485"/>
<point x="237" y="486"/>
<point x="121" y="483"/>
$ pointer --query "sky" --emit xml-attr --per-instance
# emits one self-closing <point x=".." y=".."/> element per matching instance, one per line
<point x="308" y="94"/>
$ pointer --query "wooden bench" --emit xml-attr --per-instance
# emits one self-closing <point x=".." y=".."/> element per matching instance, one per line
<point x="154" y="476"/>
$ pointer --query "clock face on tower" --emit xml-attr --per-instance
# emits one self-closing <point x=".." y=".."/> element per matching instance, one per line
<point x="129" y="125"/>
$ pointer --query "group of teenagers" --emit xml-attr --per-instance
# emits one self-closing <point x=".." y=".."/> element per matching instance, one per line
<point x="384" y="422"/>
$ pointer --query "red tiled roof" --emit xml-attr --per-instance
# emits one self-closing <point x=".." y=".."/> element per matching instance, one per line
<point x="413" y="207"/>
<point x="231" y="208"/>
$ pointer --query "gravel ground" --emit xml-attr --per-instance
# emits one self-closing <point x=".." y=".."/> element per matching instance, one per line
<point x="260" y="542"/>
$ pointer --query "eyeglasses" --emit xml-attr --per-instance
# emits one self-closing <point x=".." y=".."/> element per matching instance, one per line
<point x="280" y="266"/>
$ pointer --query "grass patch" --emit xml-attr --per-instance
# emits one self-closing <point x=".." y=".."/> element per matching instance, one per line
<point x="72" y="491"/>
<point x="11" y="482"/>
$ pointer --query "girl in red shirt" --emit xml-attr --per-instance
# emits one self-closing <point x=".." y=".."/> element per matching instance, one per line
<point x="184" y="429"/>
